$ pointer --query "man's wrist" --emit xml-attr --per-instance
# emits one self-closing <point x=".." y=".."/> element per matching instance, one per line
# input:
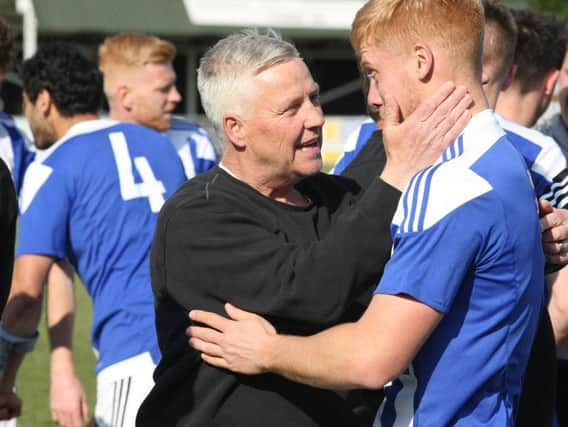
<point x="272" y="353"/>
<point x="12" y="343"/>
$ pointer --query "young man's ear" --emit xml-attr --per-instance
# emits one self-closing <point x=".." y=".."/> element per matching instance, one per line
<point x="511" y="73"/>
<point x="44" y="102"/>
<point x="424" y="59"/>
<point x="235" y="130"/>
<point x="125" y="97"/>
<point x="550" y="82"/>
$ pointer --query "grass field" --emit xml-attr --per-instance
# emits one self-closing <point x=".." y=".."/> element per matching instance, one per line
<point x="33" y="377"/>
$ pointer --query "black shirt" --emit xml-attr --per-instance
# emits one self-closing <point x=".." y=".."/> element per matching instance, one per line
<point x="218" y="240"/>
<point x="8" y="215"/>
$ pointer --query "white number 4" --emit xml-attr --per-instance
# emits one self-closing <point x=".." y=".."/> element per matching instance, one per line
<point x="150" y="187"/>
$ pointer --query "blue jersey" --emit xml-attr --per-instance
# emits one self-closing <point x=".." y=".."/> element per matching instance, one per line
<point x="467" y="243"/>
<point x="545" y="160"/>
<point x="193" y="146"/>
<point x="355" y="143"/>
<point x="93" y="197"/>
<point x="15" y="149"/>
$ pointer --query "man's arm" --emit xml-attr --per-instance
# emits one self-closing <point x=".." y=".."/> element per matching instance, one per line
<point x="368" y="353"/>
<point x="350" y="256"/>
<point x="67" y="397"/>
<point x="23" y="310"/>
<point x="557" y="283"/>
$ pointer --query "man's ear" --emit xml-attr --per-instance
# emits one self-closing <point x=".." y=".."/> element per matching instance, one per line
<point x="511" y="73"/>
<point x="424" y="59"/>
<point x="550" y="82"/>
<point x="235" y="130"/>
<point x="44" y="102"/>
<point x="125" y="97"/>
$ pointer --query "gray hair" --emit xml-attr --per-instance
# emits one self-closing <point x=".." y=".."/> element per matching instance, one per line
<point x="224" y="69"/>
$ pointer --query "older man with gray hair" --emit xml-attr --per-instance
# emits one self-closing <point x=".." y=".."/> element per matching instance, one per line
<point x="267" y="231"/>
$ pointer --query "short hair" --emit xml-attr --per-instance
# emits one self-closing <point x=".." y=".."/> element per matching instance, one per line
<point x="126" y="51"/>
<point x="6" y="45"/>
<point x="224" y="67"/>
<point x="500" y="36"/>
<point x="73" y="82"/>
<point x="541" y="45"/>
<point x="456" y="25"/>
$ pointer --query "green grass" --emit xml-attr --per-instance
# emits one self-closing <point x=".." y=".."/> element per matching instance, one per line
<point x="33" y="376"/>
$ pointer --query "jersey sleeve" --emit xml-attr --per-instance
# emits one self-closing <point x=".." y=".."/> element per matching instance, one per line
<point x="430" y="265"/>
<point x="438" y="232"/>
<point x="44" y="212"/>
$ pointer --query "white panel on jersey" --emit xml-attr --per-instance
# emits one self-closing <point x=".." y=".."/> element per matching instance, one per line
<point x="452" y="186"/>
<point x="6" y="150"/>
<point x="550" y="161"/>
<point x="36" y="175"/>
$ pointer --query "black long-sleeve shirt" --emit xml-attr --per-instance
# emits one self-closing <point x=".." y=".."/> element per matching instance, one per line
<point x="219" y="240"/>
<point x="8" y="215"/>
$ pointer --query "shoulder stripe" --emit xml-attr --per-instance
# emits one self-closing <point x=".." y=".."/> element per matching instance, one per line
<point x="426" y="196"/>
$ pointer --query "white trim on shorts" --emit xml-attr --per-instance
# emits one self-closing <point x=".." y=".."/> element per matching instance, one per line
<point x="121" y="388"/>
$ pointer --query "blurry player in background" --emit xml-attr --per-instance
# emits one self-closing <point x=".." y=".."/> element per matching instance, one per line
<point x="541" y="45"/>
<point x="91" y="196"/>
<point x="139" y="83"/>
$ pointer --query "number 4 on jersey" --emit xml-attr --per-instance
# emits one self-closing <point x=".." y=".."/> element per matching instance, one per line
<point x="150" y="187"/>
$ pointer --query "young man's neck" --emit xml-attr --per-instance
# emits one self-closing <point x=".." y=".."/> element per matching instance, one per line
<point x="62" y="124"/>
<point x="517" y="108"/>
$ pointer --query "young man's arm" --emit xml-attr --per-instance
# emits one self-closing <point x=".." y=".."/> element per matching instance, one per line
<point x="368" y="353"/>
<point x="21" y="316"/>
<point x="67" y="397"/>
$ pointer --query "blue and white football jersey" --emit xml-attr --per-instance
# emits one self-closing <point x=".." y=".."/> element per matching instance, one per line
<point x="193" y="145"/>
<point x="543" y="156"/>
<point x="93" y="197"/>
<point x="467" y="243"/>
<point x="15" y="149"/>
<point x="355" y="143"/>
<point x="545" y="160"/>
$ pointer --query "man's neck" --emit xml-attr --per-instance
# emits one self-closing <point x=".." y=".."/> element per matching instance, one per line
<point x="517" y="108"/>
<point x="263" y="181"/>
<point x="63" y="124"/>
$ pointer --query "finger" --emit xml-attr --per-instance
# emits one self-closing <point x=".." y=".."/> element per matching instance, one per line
<point x="549" y="221"/>
<point x="219" y="362"/>
<point x="450" y="108"/>
<point x="544" y="207"/>
<point x="75" y="416"/>
<point x="556" y="234"/>
<point x="390" y="111"/>
<point x="427" y="107"/>
<point x="206" y="347"/>
<point x="550" y="248"/>
<point x="210" y="319"/>
<point x="205" y="334"/>
<point x="236" y="313"/>
<point x="84" y="410"/>
<point x="557" y="259"/>
<point x="457" y="128"/>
